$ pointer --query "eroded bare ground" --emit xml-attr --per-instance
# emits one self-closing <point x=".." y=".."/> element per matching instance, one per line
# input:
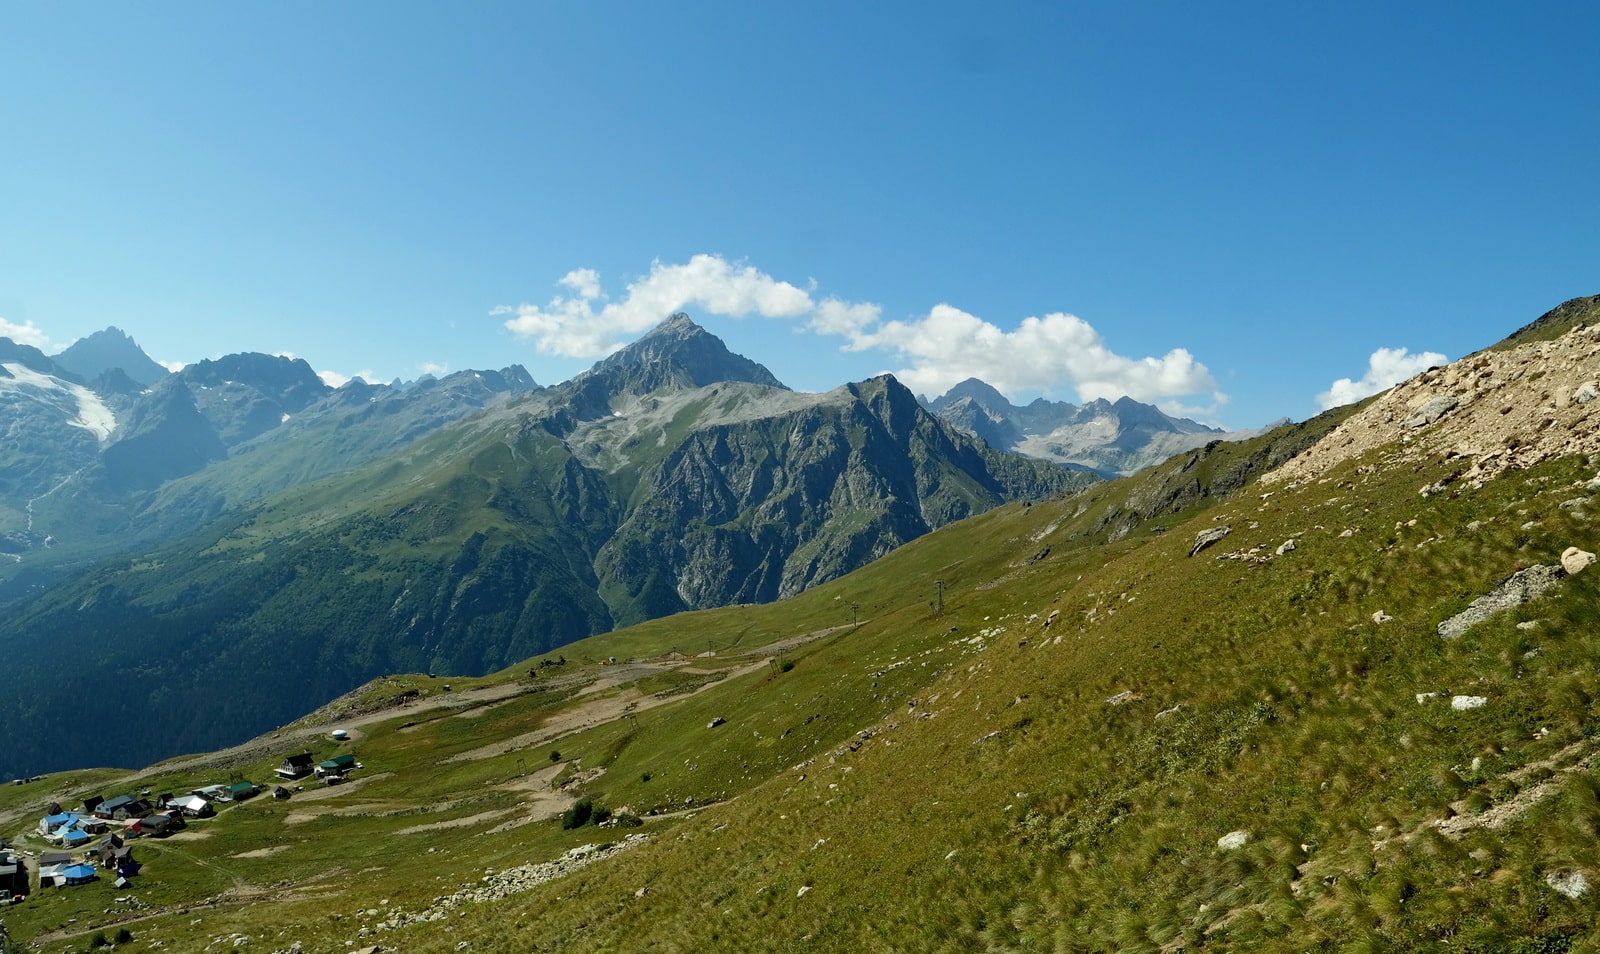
<point x="1503" y="813"/>
<point x="588" y="715"/>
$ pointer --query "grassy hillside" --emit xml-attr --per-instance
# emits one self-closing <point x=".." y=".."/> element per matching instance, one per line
<point x="1028" y="731"/>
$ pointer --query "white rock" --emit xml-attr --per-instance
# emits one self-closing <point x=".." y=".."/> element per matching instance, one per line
<point x="1462" y="703"/>
<point x="802" y="892"/>
<point x="1381" y="617"/>
<point x="1575" y="561"/>
<point x="1570" y="883"/>
<point x="1233" y="839"/>
<point x="1285" y="547"/>
<point x="1425" y="696"/>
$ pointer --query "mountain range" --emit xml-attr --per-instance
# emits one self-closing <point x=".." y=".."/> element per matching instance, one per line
<point x="242" y="517"/>
<point x="1112" y="438"/>
<point x="1329" y="688"/>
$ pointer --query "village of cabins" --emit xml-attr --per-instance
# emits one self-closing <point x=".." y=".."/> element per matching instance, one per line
<point x="95" y="839"/>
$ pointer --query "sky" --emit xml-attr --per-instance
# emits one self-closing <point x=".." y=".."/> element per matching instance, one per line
<point x="1236" y="211"/>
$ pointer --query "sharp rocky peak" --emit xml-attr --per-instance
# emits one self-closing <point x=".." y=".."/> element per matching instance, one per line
<point x="676" y="353"/>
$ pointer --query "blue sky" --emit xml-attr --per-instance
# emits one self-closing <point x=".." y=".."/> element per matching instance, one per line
<point x="1220" y="208"/>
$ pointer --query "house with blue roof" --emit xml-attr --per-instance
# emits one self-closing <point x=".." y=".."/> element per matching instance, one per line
<point x="74" y="837"/>
<point x="78" y="874"/>
<point x="50" y="824"/>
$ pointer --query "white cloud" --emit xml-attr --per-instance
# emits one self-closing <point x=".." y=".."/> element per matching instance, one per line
<point x="835" y="317"/>
<point x="433" y="368"/>
<point x="948" y="346"/>
<point x="24" y="334"/>
<point x="1386" y="368"/>
<point x="334" y="379"/>
<point x="584" y="281"/>
<point x="173" y="366"/>
<point x="940" y="349"/>
<point x="573" y="327"/>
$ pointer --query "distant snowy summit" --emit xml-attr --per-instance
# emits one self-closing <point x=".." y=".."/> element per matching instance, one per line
<point x="1113" y="438"/>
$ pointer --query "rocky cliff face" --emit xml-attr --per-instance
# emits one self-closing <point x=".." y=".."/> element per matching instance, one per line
<point x="755" y="510"/>
<point x="110" y="350"/>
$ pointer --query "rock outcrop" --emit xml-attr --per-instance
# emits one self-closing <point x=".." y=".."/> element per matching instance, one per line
<point x="1494" y="410"/>
<point x="1519" y="588"/>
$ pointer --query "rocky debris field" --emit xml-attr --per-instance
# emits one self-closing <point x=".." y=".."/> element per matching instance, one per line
<point x="501" y="884"/>
<point x="1494" y="410"/>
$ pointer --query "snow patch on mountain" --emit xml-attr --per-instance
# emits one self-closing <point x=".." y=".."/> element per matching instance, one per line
<point x="86" y="409"/>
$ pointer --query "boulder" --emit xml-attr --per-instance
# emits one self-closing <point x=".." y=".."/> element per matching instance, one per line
<point x="1431" y="411"/>
<point x="1570" y="883"/>
<point x="1233" y="839"/>
<point x="1206" y="538"/>
<point x="1574" y="560"/>
<point x="1586" y="392"/>
<point x="1517" y="589"/>
<point x="1286" y="546"/>
<point x="1463" y="703"/>
<point x="1381" y="617"/>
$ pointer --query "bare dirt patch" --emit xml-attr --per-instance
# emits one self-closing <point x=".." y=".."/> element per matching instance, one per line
<point x="466" y="822"/>
<point x="261" y="852"/>
<point x="190" y="834"/>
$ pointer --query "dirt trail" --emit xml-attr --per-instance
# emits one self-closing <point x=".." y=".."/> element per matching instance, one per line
<point x="598" y="679"/>
<point x="610" y="708"/>
<point x="588" y="715"/>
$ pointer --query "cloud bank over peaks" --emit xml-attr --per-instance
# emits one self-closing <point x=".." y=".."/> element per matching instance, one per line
<point x="25" y="334"/>
<point x="940" y="349"/>
<point x="1386" y="368"/>
<point x="584" y="324"/>
<point x="948" y="345"/>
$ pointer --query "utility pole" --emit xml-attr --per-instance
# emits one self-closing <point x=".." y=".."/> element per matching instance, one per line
<point x="938" y="606"/>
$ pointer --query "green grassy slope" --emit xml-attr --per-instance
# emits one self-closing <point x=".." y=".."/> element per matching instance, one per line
<point x="477" y="546"/>
<point x="954" y="778"/>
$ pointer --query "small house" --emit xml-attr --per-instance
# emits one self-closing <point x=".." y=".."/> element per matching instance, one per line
<point x="158" y="825"/>
<point x="122" y="808"/>
<point x="278" y="791"/>
<point x="239" y="791"/>
<point x="103" y="850"/>
<point x="296" y="766"/>
<point x="214" y="793"/>
<point x="50" y="876"/>
<point x="74" y="837"/>
<point x="338" y="765"/>
<point x="192" y="806"/>
<point x="78" y="874"/>
<point x="13" y="873"/>
<point x="91" y="803"/>
<point x="50" y="824"/>
<point x="55" y="858"/>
